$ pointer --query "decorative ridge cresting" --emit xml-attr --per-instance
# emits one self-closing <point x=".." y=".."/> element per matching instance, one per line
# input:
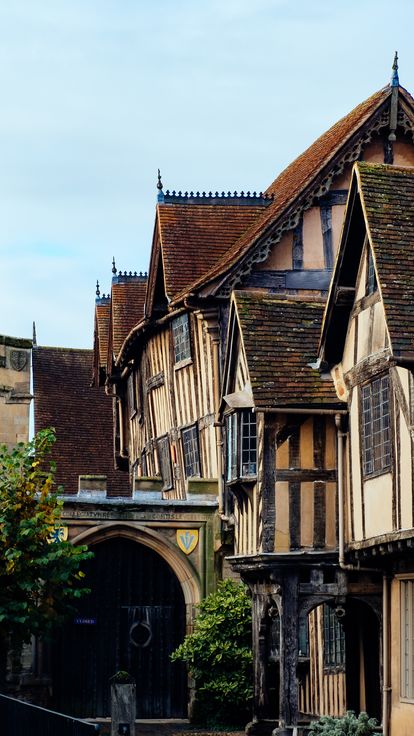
<point x="249" y="198"/>
<point x="129" y="276"/>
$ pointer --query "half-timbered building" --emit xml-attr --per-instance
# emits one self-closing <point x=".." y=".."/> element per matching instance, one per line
<point x="317" y="625"/>
<point x="368" y="343"/>
<point x="227" y="427"/>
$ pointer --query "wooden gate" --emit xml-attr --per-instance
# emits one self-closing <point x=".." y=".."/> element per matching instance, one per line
<point x="132" y="620"/>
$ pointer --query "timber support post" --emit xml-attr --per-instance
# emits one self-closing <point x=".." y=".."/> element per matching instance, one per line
<point x="289" y="654"/>
<point x="263" y="605"/>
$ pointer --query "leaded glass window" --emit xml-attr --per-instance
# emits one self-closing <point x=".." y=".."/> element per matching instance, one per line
<point x="376" y="426"/>
<point x="248" y="449"/>
<point x="334" y="639"/>
<point x="181" y="338"/>
<point x="407" y="639"/>
<point x="191" y="452"/>
<point x="241" y="445"/>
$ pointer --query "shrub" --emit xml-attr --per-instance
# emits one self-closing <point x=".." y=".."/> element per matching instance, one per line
<point x="218" y="654"/>
<point x="348" y="725"/>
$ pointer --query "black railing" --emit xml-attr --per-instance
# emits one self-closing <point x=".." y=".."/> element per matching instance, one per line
<point x="18" y="718"/>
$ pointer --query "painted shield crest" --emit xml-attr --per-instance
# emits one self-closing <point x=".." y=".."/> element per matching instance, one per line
<point x="187" y="540"/>
<point x="59" y="534"/>
<point x="18" y="359"/>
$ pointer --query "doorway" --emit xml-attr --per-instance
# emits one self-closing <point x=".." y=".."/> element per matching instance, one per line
<point x="132" y="620"/>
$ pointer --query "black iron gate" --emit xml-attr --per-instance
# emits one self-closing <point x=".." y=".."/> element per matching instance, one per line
<point x="132" y="620"/>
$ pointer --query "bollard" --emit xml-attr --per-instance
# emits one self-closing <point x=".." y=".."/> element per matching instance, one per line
<point x="123" y="705"/>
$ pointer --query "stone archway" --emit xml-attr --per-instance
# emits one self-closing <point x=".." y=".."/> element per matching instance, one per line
<point x="187" y="576"/>
<point x="139" y="585"/>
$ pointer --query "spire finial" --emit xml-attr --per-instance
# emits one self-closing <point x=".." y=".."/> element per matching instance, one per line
<point x="34" y="335"/>
<point x="160" y="196"/>
<point x="98" y="291"/>
<point x="395" y="82"/>
<point x="114" y="268"/>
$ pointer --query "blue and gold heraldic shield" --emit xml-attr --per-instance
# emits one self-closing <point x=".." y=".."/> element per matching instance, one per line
<point x="187" y="540"/>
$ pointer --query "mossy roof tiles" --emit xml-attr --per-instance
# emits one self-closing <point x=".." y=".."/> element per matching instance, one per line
<point x="280" y="339"/>
<point x="387" y="194"/>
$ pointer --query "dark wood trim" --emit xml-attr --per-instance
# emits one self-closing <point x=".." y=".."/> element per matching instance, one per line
<point x="351" y="398"/>
<point x="399" y="394"/>
<point x="326" y="224"/>
<point x="269" y="483"/>
<point x="319" y="514"/>
<point x="294" y="514"/>
<point x="398" y="464"/>
<point x="333" y="197"/>
<point x="361" y="458"/>
<point x="294" y="449"/>
<point x="392" y="454"/>
<point x="411" y="415"/>
<point x="365" y="302"/>
<point x="297" y="246"/>
<point x="303" y="475"/>
<point x="319" y="441"/>
<point x="155" y="381"/>
<point x="356" y="330"/>
<point x="368" y="369"/>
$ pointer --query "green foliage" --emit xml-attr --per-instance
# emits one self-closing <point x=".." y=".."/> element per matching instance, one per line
<point x="38" y="579"/>
<point x="219" y="656"/>
<point x="348" y="725"/>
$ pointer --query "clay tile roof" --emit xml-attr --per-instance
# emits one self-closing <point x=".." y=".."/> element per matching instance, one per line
<point x="127" y="307"/>
<point x="102" y="314"/>
<point x="294" y="180"/>
<point x="195" y="236"/>
<point x="280" y="339"/>
<point x="387" y="194"/>
<point x="81" y="415"/>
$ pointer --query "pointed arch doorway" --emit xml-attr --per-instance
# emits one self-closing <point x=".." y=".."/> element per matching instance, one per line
<point x="132" y="620"/>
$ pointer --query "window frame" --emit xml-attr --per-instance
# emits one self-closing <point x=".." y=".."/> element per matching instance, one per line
<point x="371" y="284"/>
<point x="185" y="432"/>
<point x="164" y="462"/>
<point x="334" y="657"/>
<point x="376" y="454"/>
<point x="181" y="342"/>
<point x="236" y="423"/>
<point x="406" y="641"/>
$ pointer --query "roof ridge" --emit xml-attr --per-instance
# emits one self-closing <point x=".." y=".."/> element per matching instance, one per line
<point x="362" y="112"/>
<point x="226" y="198"/>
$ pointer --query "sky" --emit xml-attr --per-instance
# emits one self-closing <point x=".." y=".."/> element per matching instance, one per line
<point x="96" y="95"/>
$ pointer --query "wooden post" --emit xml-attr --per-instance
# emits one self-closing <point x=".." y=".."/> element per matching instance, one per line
<point x="289" y="653"/>
<point x="261" y="724"/>
<point x="123" y="708"/>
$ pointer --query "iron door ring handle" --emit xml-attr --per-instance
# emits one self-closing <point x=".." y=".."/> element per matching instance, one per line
<point x="148" y="639"/>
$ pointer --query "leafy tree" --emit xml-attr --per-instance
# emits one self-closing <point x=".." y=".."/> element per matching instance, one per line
<point x="348" y="725"/>
<point x="219" y="656"/>
<point x="39" y="578"/>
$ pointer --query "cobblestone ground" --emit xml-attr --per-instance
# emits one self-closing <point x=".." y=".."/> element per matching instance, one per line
<point x="171" y="728"/>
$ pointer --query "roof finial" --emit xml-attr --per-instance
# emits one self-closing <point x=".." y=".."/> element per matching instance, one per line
<point x="395" y="82"/>
<point x="160" y="196"/>
<point x="98" y="291"/>
<point x="114" y="268"/>
<point x="34" y="335"/>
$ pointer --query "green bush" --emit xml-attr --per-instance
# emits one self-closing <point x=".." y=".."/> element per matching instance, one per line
<point x="218" y="654"/>
<point x="348" y="725"/>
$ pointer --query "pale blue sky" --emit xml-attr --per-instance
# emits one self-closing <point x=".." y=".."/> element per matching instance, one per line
<point x="97" y="94"/>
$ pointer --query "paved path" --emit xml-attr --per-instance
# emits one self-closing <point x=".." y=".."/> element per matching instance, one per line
<point x="170" y="728"/>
